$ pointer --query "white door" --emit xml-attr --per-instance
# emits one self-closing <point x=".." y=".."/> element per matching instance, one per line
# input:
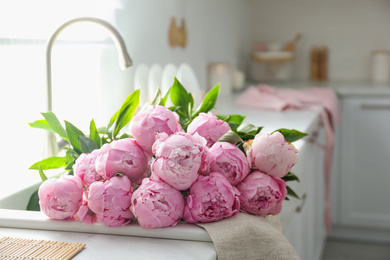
<point x="365" y="162"/>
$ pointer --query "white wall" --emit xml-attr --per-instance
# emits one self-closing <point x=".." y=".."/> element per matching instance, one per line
<point x="351" y="29"/>
<point x="217" y="31"/>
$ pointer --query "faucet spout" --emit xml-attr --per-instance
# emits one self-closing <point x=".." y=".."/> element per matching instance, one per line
<point x="124" y="62"/>
<point x="124" y="58"/>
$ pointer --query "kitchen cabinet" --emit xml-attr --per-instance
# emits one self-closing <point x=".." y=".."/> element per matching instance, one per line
<point x="362" y="177"/>
<point x="306" y="230"/>
<point x="302" y="220"/>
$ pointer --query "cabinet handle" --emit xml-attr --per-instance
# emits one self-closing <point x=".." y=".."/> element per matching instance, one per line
<point x="375" y="106"/>
<point x="299" y="208"/>
<point x="313" y="137"/>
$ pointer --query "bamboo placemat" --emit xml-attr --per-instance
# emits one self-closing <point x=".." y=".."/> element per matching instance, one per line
<point x="18" y="248"/>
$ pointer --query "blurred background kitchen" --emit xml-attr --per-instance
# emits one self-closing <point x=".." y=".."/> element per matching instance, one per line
<point x="235" y="35"/>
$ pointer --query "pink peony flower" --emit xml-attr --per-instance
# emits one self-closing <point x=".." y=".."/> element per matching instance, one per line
<point x="61" y="198"/>
<point x="229" y="160"/>
<point x="180" y="157"/>
<point x="262" y="194"/>
<point x="156" y="204"/>
<point x="86" y="215"/>
<point x="271" y="154"/>
<point x="85" y="168"/>
<point x="147" y="124"/>
<point x="211" y="198"/>
<point x="110" y="201"/>
<point x="123" y="156"/>
<point x="208" y="126"/>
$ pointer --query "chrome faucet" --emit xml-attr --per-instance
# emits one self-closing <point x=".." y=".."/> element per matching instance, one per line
<point x="124" y="62"/>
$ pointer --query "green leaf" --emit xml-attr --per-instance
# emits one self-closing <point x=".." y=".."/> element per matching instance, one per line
<point x="74" y="136"/>
<point x="231" y="137"/>
<point x="164" y="100"/>
<point x="248" y="131"/>
<point x="69" y="157"/>
<point x="208" y="102"/>
<point x="69" y="166"/>
<point x="104" y="141"/>
<point x="234" y="121"/>
<point x="126" y="111"/>
<point x="70" y="172"/>
<point x="123" y="136"/>
<point x="290" y="177"/>
<point x="55" y="124"/>
<point x="291" y="193"/>
<point x="87" y="145"/>
<point x="42" y="174"/>
<point x="232" y="118"/>
<point x="111" y="125"/>
<point x="71" y="154"/>
<point x="190" y="103"/>
<point x="41" y="124"/>
<point x="33" y="202"/>
<point x="94" y="134"/>
<point x="183" y="103"/>
<point x="291" y="135"/>
<point x="157" y="98"/>
<point x="179" y="95"/>
<point x="102" y="130"/>
<point x="53" y="162"/>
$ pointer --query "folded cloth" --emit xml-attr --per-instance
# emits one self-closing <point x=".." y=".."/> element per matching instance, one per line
<point x="323" y="100"/>
<point x="246" y="236"/>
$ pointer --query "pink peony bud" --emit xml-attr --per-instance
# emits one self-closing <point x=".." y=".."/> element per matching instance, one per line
<point x="229" y="160"/>
<point x="211" y="198"/>
<point x="208" y="126"/>
<point x="110" y="201"/>
<point x="180" y="158"/>
<point x="85" y="168"/>
<point x="156" y="204"/>
<point x="123" y="156"/>
<point x="271" y="154"/>
<point x="262" y="194"/>
<point x="147" y="124"/>
<point x="61" y="198"/>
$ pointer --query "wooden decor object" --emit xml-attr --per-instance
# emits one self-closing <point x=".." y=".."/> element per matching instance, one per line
<point x="319" y="64"/>
<point x="173" y="32"/>
<point x="323" y="69"/>
<point x="314" y="63"/>
<point x="177" y="35"/>
<point x="183" y="30"/>
<point x="290" y="46"/>
<point x="18" y="248"/>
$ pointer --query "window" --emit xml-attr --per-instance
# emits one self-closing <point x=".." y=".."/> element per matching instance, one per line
<point x="79" y="77"/>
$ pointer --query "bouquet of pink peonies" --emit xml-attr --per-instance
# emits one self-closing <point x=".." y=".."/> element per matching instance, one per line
<point x="175" y="163"/>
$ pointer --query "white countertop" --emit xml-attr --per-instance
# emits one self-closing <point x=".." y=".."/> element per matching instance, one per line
<point x="114" y="247"/>
<point x="301" y="120"/>
<point x="363" y="88"/>
<point x="101" y="246"/>
<point x="156" y="248"/>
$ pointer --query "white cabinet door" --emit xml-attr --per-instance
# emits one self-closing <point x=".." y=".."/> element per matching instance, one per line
<point x="365" y="162"/>
<point x="306" y="229"/>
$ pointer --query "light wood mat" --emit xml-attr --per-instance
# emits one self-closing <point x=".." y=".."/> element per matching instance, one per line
<point x="18" y="248"/>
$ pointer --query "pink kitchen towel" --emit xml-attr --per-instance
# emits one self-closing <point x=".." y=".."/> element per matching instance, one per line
<point x="323" y="100"/>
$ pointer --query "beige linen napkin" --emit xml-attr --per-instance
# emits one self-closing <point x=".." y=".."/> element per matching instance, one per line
<point x="246" y="236"/>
